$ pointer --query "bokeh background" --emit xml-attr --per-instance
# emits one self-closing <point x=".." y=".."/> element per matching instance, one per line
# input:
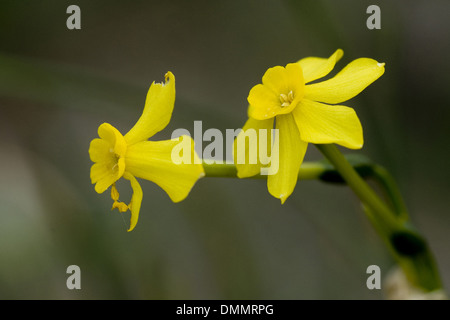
<point x="229" y="239"/>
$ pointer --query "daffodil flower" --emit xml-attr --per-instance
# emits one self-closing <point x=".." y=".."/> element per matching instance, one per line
<point x="306" y="111"/>
<point x="131" y="156"/>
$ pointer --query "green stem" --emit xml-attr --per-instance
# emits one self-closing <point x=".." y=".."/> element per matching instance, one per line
<point x="407" y="246"/>
<point x="359" y="186"/>
<point x="222" y="170"/>
<point x="308" y="170"/>
<point x="391" y="222"/>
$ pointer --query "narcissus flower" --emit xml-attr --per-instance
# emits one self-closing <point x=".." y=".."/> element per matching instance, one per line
<point x="306" y="112"/>
<point x="131" y="156"/>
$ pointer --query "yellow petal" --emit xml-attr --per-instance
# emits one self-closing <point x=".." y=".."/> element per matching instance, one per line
<point x="99" y="150"/>
<point x="114" y="193"/>
<point x="157" y="111"/>
<point x="248" y="141"/>
<point x="291" y="150"/>
<point x="315" y="68"/>
<point x="136" y="199"/>
<point x="104" y="176"/>
<point x="115" y="139"/>
<point x="264" y="103"/>
<point x="152" y="160"/>
<point x="266" y="99"/>
<point x="320" y="123"/>
<point x="108" y="155"/>
<point x="283" y="79"/>
<point x="353" y="79"/>
<point x="101" y="172"/>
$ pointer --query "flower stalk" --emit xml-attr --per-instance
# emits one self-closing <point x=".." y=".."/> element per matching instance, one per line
<point x="362" y="190"/>
<point x="389" y="218"/>
<point x="408" y="247"/>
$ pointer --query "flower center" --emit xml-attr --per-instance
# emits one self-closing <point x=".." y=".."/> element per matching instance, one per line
<point x="115" y="160"/>
<point x="286" y="100"/>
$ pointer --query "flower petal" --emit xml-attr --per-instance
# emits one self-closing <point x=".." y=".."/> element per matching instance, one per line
<point x="242" y="147"/>
<point x="353" y="79"/>
<point x="115" y="139"/>
<point x="136" y="200"/>
<point x="103" y="176"/>
<point x="282" y="80"/>
<point x="152" y="160"/>
<point x="157" y="111"/>
<point x="315" y="68"/>
<point x="320" y="123"/>
<point x="291" y="151"/>
<point x="264" y="103"/>
<point x="99" y="150"/>
<point x="108" y="155"/>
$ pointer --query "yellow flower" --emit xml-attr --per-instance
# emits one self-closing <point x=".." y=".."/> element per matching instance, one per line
<point x="306" y="112"/>
<point x="131" y="156"/>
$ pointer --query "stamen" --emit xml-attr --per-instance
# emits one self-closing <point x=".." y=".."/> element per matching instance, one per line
<point x="116" y="164"/>
<point x="291" y="96"/>
<point x="286" y="100"/>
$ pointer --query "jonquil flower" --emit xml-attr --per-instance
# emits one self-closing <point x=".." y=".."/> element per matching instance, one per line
<point x="305" y="112"/>
<point x="131" y="156"/>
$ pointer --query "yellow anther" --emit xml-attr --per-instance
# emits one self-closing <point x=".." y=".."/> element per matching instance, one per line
<point x="291" y="96"/>
<point x="286" y="99"/>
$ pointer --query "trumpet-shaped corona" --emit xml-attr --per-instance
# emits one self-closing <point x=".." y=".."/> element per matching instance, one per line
<point x="132" y="156"/>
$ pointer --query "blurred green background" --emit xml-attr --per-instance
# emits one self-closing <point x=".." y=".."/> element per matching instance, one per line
<point x="229" y="239"/>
